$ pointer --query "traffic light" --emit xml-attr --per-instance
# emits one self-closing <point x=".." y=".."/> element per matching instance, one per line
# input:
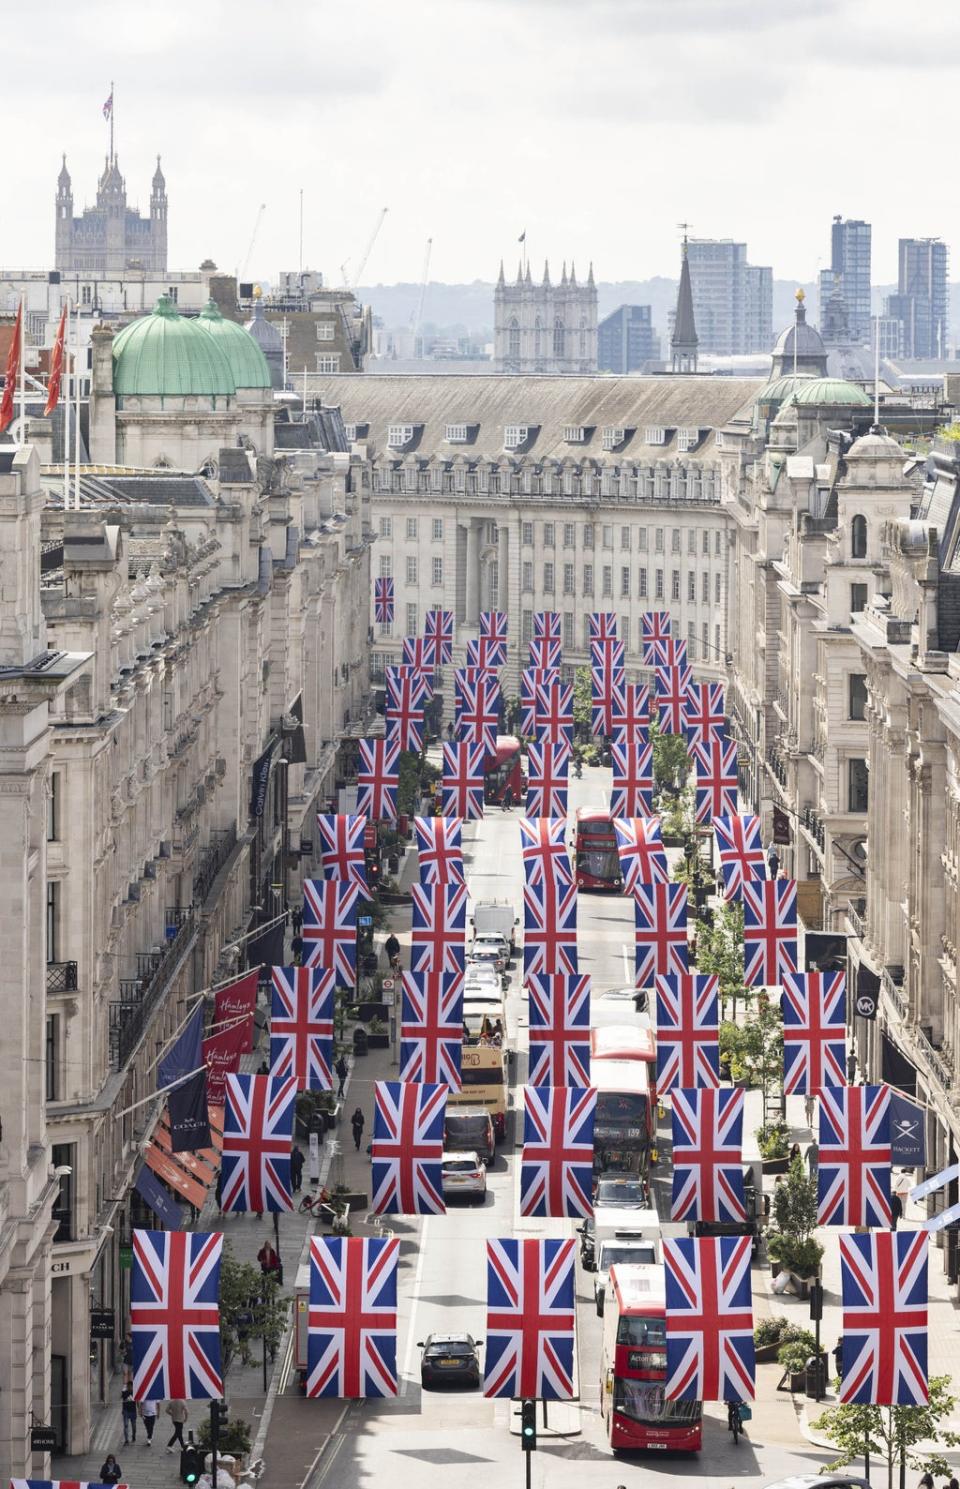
<point x="191" y="1465"/>
<point x="528" y="1425"/>
<point x="816" y="1302"/>
<point x="219" y="1411"/>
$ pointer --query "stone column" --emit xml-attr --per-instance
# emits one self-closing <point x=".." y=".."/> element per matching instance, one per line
<point x="503" y="566"/>
<point x="473" y="573"/>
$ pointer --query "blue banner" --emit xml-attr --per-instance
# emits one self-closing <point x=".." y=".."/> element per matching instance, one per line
<point x="186" y="1054"/>
<point x="908" y="1147"/>
<point x="160" y="1200"/>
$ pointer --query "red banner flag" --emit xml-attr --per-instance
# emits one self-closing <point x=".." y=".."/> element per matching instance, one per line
<point x="221" y="1053"/>
<point x="14" y="356"/>
<point x="56" y="364"/>
<point x="237" y="1001"/>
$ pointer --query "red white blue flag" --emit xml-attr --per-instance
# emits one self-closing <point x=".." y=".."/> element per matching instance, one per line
<point x="530" y="679"/>
<point x="531" y="1319"/>
<point x="407" y="1148"/>
<point x="674" y="653"/>
<point x="341" y="849"/>
<point x="643" y="858"/>
<point x="655" y="632"/>
<point x="544" y="849"/>
<point x="383" y="601"/>
<point x="716" y="767"/>
<point x="710" y="1350"/>
<point x="883" y="1280"/>
<point x="673" y="684"/>
<point x="378" y="775"/>
<point x="814" y="1008"/>
<point x="330" y="927"/>
<point x="440" y="849"/>
<point x="463" y="778"/>
<point x="661" y="931"/>
<point x="559" y="1011"/>
<point x="630" y="717"/>
<point x="257" y="1138"/>
<point x="556" y="1164"/>
<point x="607" y="656"/>
<point x="407" y="694"/>
<point x="707" y="1155"/>
<point x="603" y="625"/>
<point x="479" y="710"/>
<point x="769" y="931"/>
<point x="352" y="1317"/>
<point x="853" y="1174"/>
<point x="688" y="1031"/>
<point x="439" y="927"/>
<point x="547" y="770"/>
<point x="418" y="653"/>
<point x="606" y="689"/>
<point x="740" y="852"/>
<point x="438" y="630"/>
<point x="545" y="651"/>
<point x="554" y="707"/>
<point x="431" y="1028"/>
<point x="487" y="653"/>
<point x="704" y="719"/>
<point x="301" y="1026"/>
<point x="632" y="792"/>
<point x="175" y="1316"/>
<point x="546" y="623"/>
<point x="550" y="928"/>
<point x="493" y="625"/>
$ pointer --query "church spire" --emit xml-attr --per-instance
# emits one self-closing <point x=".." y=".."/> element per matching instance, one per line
<point x="546" y="272"/>
<point x="683" y="343"/>
<point x="501" y="281"/>
<point x="573" y="271"/>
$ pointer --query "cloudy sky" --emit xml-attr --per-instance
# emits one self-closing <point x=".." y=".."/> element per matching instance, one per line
<point x="597" y="125"/>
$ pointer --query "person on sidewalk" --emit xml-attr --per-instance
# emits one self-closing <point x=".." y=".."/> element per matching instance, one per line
<point x="110" y="1472"/>
<point x="809" y="1110"/>
<point x="128" y="1411"/>
<point x="270" y="1262"/>
<point x="508" y="799"/>
<point x="296" y="920"/>
<point x="838" y="1357"/>
<point x="357" y="1123"/>
<point x="392" y="948"/>
<point x="926" y="1482"/>
<point x="296" y="1168"/>
<point x="342" y="1071"/>
<point x="148" y="1416"/>
<point x="178" y="1414"/>
<point x="896" y="1210"/>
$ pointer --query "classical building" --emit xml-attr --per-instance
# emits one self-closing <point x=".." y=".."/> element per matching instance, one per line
<point x="545" y="327"/>
<point x="110" y="236"/>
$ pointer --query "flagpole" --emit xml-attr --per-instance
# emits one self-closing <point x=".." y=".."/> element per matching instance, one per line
<point x="66" y="417"/>
<point x="111" y="121"/>
<point x="159" y="1092"/>
<point x="76" y="427"/>
<point x="23" y="373"/>
<point x="193" y="998"/>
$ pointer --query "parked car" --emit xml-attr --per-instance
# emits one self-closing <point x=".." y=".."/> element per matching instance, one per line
<point x="470" y="1130"/>
<point x="464" y="1176"/>
<point x="450" y="1358"/>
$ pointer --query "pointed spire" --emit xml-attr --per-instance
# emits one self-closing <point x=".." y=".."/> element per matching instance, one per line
<point x="546" y="272"/>
<point x="683" y="343"/>
<point x="63" y="180"/>
<point x="520" y="271"/>
<point x="563" y="276"/>
<point x="501" y="282"/>
<point x="528" y="278"/>
<point x="590" y="280"/>
<point x="573" y="272"/>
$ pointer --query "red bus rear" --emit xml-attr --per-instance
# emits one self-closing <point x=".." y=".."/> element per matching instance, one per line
<point x="633" y="1368"/>
<point x="595" y="847"/>
<point x="627" y="1042"/>
<point x="502" y="769"/>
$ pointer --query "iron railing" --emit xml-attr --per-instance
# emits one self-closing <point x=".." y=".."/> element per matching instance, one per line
<point x="140" y="996"/>
<point x="61" y="977"/>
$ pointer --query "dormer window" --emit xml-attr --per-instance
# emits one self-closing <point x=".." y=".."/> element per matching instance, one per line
<point x="350" y="430"/>
<point x="718" y="439"/>
<point x="574" y="434"/>
<point x="455" y="434"/>
<point x="514" y="435"/>
<point x="613" y="437"/>
<point x="687" y="439"/>
<point x="655" y="434"/>
<point x="399" y="435"/>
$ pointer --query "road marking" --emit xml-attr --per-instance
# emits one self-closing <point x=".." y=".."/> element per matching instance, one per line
<point x="628" y="976"/>
<point x="411" y="1331"/>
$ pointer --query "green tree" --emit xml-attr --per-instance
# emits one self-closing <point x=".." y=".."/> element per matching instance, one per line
<point x="893" y="1433"/>
<point x="795" y="1202"/>
<point x="720" y="951"/>
<point x="252" y="1308"/>
<point x="756" y="1046"/>
<point x="671" y="763"/>
<point x="582" y="703"/>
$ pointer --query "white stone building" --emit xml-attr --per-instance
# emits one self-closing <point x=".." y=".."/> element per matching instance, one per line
<point x="545" y="327"/>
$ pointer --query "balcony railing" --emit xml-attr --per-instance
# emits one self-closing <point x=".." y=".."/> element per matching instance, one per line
<point x="857" y="916"/>
<point x="140" y="996"/>
<point x="212" y="859"/>
<point x="934" y="1061"/>
<point x="61" y="977"/>
<point x="896" y="992"/>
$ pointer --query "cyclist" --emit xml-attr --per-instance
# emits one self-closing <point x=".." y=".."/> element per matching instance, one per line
<point x="734" y="1419"/>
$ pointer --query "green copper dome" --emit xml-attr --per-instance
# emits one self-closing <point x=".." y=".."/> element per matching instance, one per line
<point x="832" y="392"/>
<point x="782" y="387"/>
<point x="249" y="365"/>
<point x="166" y="355"/>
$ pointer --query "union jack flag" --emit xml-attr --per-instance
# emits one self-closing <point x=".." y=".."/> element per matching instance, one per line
<point x="330" y="927"/>
<point x="546" y="623"/>
<point x="530" y="679"/>
<point x="407" y="693"/>
<point x="661" y="931"/>
<point x="383" y="596"/>
<point x="175" y="1316"/>
<point x="605" y="689"/>
<point x="643" y="859"/>
<point x="674" y="653"/>
<point x="814" y="1031"/>
<point x="438" y="629"/>
<point x="487" y="652"/>
<point x="341" y="849"/>
<point x="439" y="849"/>
<point x="479" y="710"/>
<point x="556" y="1165"/>
<point x="673" y="684"/>
<point x="603" y="625"/>
<point x="531" y="1318"/>
<point x="547" y="767"/>
<point x="853" y="1177"/>
<point x="301" y="1026"/>
<point x="607" y="656"/>
<point x="439" y="927"/>
<point x="493" y="625"/>
<point x="688" y="1031"/>
<point x="559" y="1008"/>
<point x="257" y="1138"/>
<point x="431" y="1028"/>
<point x="463" y="778"/>
<point x="655" y="631"/>
<point x="545" y="651"/>
<point x="710" y="1351"/>
<point x="418" y="653"/>
<point x="769" y="931"/>
<point x="407" y="1148"/>
<point x="707" y="1155"/>
<point x="740" y="852"/>
<point x="545" y="857"/>
<point x="555" y="713"/>
<point x="550" y="928"/>
<point x="883" y="1279"/>
<point x="378" y="774"/>
<point x="631" y="712"/>
<point x="716" y="767"/>
<point x="352" y="1318"/>
<point x="704" y="719"/>
<point x="632" y="761"/>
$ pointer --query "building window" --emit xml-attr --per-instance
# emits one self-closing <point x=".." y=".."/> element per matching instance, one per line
<point x="643" y="584"/>
<point x="613" y="436"/>
<point x="675" y="540"/>
<point x="658" y="593"/>
<point x="717" y="651"/>
<point x="625" y="539"/>
<point x="569" y="535"/>
<point x="716" y="543"/>
<point x="858" y="785"/>
<point x="413" y="620"/>
<point x="655" y="434"/>
<point x="436" y="571"/>
<point x="858" y="598"/>
<point x="455" y="434"/>
<point x="857" y="695"/>
<point x="588" y="579"/>
<point x="691" y="642"/>
<point x="706" y="544"/>
<point x="514" y="435"/>
<point x="411" y="570"/>
<point x="399" y="435"/>
<point x="568" y="630"/>
<point x="526" y="575"/>
<point x="607" y="581"/>
<point x="411" y="527"/>
<point x="386" y="527"/>
<point x="53" y="808"/>
<point x="624" y="584"/>
<point x="858" y="537"/>
<point x="436" y="529"/>
<point x="526" y="534"/>
<point x="574" y="434"/>
<point x="52" y="1057"/>
<point x="675" y="584"/>
<point x="716" y="589"/>
<point x="692" y="541"/>
<point x="706" y="641"/>
<point x="328" y="363"/>
<point x="607" y="536"/>
<point x="86" y="294"/>
<point x="558" y="338"/>
<point x="548" y="535"/>
<point x="325" y="331"/>
<point x="53" y="920"/>
<point x="569" y="580"/>
<point x="548" y="578"/>
<point x="658" y="540"/>
<point x="513" y="338"/>
<point x="691" y="585"/>
<point x="642" y="539"/>
<point x="687" y="439"/>
<point x="705" y="587"/>
<point x="64" y="1155"/>
<point x="350" y="430"/>
<point x="588" y="535"/>
<point x="526" y="626"/>
<point x="386" y="566"/>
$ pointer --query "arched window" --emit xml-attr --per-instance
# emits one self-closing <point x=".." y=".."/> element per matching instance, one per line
<point x="858" y="537"/>
<point x="513" y="340"/>
<point x="583" y="336"/>
<point x="558" y="338"/>
<point x="537" y="328"/>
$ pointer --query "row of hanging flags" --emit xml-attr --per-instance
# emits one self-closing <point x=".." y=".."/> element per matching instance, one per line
<point x="531" y="1312"/>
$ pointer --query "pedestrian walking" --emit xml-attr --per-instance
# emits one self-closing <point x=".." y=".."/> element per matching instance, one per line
<point x="148" y="1416"/>
<point x="270" y="1263"/>
<point x="773" y="863"/>
<point x="392" y="948"/>
<point x="218" y="1191"/>
<point x="342" y="1071"/>
<point x="357" y="1123"/>
<point x="110" y="1472"/>
<point x="296" y="920"/>
<point x="896" y="1210"/>
<point x="926" y="1482"/>
<point x="809" y="1110"/>
<point x="508" y="799"/>
<point x="954" y="1483"/>
<point x="838" y="1356"/>
<point x="296" y="1168"/>
<point x="128" y="1411"/>
<point x="178" y="1414"/>
<point x="263" y="1068"/>
<point x="296" y="946"/>
<point x="851" y="1069"/>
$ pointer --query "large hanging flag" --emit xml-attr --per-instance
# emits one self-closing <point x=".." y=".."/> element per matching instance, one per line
<point x="550" y="928"/>
<point x="438" y="629"/>
<point x="56" y="364"/>
<point x="769" y="931"/>
<point x="883" y="1281"/>
<point x="814" y="1031"/>
<point x="431" y="1028"/>
<point x="606" y="692"/>
<point x="547" y="773"/>
<point x="352" y="1317"/>
<point x="661" y="931"/>
<point x="13" y="371"/>
<point x="544" y="849"/>
<point x="545" y="651"/>
<point x="463" y="779"/>
<point x="486" y="653"/>
<point x="603" y="625"/>
<point x="301" y="1026"/>
<point x="740" y="851"/>
<point x="673" y="684"/>
<point x="630" y="717"/>
<point x="479" y="710"/>
<point x="643" y="858"/>
<point x="378" y="775"/>
<point x="175" y="1316"/>
<point x="559" y="1011"/>
<point x="531" y="1319"/>
<point x="257" y="1138"/>
<point x="632" y="793"/>
<point x="407" y="694"/>
<point x="655" y="630"/>
<point x="703" y="718"/>
<point x="554" y="712"/>
<point x="607" y="656"/>
<point x="235" y="1003"/>
<point x="439" y="849"/>
<point x="716" y="767"/>
<point x="688" y="1031"/>
<point x="556" y="1164"/>
<point x="853" y="1174"/>
<point x="330" y="927"/>
<point x="407" y="1150"/>
<point x="493" y="625"/>
<point x="546" y="623"/>
<point x="341" y="849"/>
<point x="418" y="654"/>
<point x="383" y="600"/>
<point x="530" y="679"/>
<point x="675" y="653"/>
<point x="707" y="1155"/>
<point x="439" y="927"/>
<point x="710" y="1350"/>
<point x="188" y="1102"/>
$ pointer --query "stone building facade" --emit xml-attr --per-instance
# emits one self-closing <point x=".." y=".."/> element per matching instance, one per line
<point x="545" y="327"/>
<point x="110" y="236"/>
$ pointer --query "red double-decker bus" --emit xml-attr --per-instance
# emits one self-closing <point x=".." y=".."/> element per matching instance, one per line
<point x="595" y="848"/>
<point x="502" y="769"/>
<point x="633" y="1368"/>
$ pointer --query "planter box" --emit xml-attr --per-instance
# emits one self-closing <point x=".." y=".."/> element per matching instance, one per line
<point x="766" y="1352"/>
<point x="355" y="1201"/>
<point x="378" y="1041"/>
<point x="776" y="1165"/>
<point x="394" y="896"/>
<point x="673" y="840"/>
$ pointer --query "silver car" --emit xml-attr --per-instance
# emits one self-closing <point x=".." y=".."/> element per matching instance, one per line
<point x="464" y="1174"/>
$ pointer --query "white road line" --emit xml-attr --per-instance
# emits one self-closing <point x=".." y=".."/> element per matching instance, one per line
<point x="411" y="1331"/>
<point x="628" y="976"/>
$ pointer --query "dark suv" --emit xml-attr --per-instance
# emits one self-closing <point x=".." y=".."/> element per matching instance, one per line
<point x="470" y="1130"/>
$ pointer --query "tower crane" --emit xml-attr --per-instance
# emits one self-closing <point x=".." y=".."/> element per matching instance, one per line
<point x="242" y="273"/>
<point x="367" y="251"/>
<point x="417" y="316"/>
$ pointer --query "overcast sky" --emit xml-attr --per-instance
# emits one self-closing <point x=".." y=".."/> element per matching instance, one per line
<point x="597" y="125"/>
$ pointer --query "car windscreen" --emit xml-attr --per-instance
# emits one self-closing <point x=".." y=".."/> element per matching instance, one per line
<point x="610" y="1256"/>
<point x="646" y="1331"/>
<point x="459" y="1165"/>
<point x="615" y="1193"/>
<point x="468" y="1129"/>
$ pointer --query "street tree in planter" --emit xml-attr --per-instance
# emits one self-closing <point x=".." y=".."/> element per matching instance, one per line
<point x="671" y="763"/>
<point x="791" y="1244"/>
<point x="720" y="951"/>
<point x="251" y="1308"/>
<point x="758" y="1057"/>
<point x="582" y="704"/>
<point x="893" y="1433"/>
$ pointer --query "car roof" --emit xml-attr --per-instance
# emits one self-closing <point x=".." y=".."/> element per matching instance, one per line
<point x="463" y="1157"/>
<point x="449" y="1339"/>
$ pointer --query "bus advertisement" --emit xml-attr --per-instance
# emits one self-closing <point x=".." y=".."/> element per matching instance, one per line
<point x="502" y="769"/>
<point x="633" y="1368"/>
<point x="483" y="1070"/>
<point x="624" y="1125"/>
<point x="595" y="850"/>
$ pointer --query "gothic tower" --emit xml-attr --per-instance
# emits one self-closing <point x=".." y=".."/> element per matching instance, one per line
<point x="545" y="327"/>
<point x="683" y="343"/>
<point x="158" y="219"/>
<point x="64" y="232"/>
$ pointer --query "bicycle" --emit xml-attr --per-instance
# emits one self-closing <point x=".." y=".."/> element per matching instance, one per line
<point x="734" y="1420"/>
<point x="322" y="1208"/>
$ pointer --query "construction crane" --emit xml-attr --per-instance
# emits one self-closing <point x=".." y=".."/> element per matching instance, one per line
<point x="242" y="273"/>
<point x="367" y="252"/>
<point x="417" y="316"/>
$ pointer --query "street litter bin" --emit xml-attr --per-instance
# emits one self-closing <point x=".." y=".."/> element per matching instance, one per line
<point x="816" y="1377"/>
<point x="359" y="1040"/>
